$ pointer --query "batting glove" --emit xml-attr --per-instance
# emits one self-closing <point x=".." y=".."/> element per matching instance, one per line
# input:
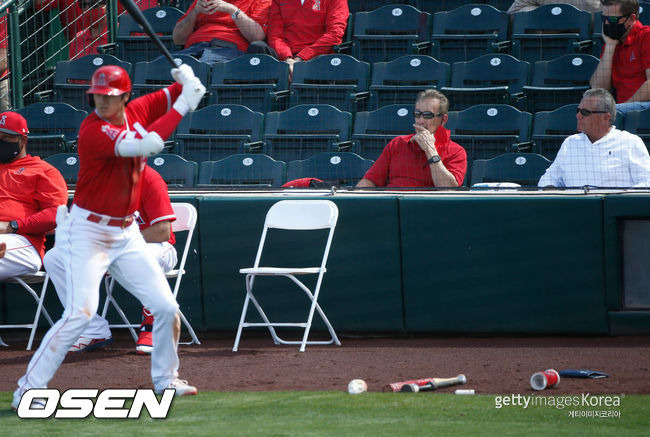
<point x="183" y="74"/>
<point x="190" y="97"/>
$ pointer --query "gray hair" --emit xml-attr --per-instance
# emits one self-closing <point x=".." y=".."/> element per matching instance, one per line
<point x="604" y="101"/>
<point x="434" y="94"/>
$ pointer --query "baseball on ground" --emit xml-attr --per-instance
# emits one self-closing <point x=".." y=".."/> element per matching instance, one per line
<point x="357" y="386"/>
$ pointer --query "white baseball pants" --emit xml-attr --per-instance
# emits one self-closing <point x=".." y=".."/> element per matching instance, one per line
<point x="21" y="257"/>
<point x="89" y="250"/>
<point x="164" y="253"/>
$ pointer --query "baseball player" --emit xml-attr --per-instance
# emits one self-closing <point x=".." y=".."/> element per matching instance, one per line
<point x="154" y="218"/>
<point x="30" y="191"/>
<point x="100" y="233"/>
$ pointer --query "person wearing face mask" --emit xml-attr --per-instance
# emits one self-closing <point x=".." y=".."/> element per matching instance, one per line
<point x="427" y="158"/>
<point x="30" y="192"/>
<point x="624" y="66"/>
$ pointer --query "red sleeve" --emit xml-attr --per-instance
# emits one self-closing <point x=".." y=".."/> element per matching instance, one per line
<point x="157" y="110"/>
<point x="4" y="42"/>
<point x="259" y="12"/>
<point x="51" y="192"/>
<point x="337" y="20"/>
<point x="187" y="12"/>
<point x="275" y="35"/>
<point x="155" y="205"/>
<point x="456" y="162"/>
<point x="378" y="173"/>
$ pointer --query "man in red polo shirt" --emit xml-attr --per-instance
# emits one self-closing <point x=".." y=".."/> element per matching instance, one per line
<point x="300" y="30"/>
<point x="217" y="31"/>
<point x="427" y="158"/>
<point x="625" y="62"/>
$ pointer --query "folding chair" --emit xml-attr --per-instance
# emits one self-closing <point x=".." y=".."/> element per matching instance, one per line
<point x="296" y="215"/>
<point x="186" y="217"/>
<point x="25" y="281"/>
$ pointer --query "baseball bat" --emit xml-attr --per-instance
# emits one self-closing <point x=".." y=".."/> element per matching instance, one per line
<point x="425" y="384"/>
<point x="139" y="18"/>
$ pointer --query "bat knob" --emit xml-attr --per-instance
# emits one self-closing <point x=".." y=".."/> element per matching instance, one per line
<point x="410" y="388"/>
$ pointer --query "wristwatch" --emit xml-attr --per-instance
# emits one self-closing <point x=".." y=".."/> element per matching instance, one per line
<point x="433" y="159"/>
<point x="14" y="225"/>
<point x="235" y="14"/>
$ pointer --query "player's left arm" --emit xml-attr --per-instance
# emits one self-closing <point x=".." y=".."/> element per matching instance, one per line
<point x="51" y="191"/>
<point x="158" y="232"/>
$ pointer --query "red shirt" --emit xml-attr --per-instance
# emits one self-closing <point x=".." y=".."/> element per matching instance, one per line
<point x="631" y="59"/>
<point x="306" y="30"/>
<point x="30" y="192"/>
<point x="109" y="184"/>
<point x="221" y="26"/>
<point x="403" y="164"/>
<point x="155" y="205"/>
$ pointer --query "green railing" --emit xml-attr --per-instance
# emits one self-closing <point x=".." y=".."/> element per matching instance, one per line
<point x="39" y="35"/>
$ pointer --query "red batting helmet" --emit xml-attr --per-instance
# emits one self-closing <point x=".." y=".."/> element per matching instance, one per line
<point x="110" y="80"/>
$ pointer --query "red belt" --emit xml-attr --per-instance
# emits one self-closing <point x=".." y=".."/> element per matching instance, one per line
<point x="123" y="222"/>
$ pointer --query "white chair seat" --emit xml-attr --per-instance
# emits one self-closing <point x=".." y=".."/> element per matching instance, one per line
<point x="295" y="215"/>
<point x="282" y="271"/>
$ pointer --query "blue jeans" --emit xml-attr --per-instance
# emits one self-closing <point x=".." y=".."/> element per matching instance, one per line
<point x="624" y="108"/>
<point x="204" y="52"/>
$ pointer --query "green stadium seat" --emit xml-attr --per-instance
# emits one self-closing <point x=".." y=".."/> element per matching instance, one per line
<point x="305" y="130"/>
<point x="468" y="32"/>
<point x="550" y="31"/>
<point x="490" y="79"/>
<point x="68" y="166"/>
<point x="338" y="80"/>
<point x="373" y="130"/>
<point x="399" y="81"/>
<point x="217" y="131"/>
<point x="242" y="170"/>
<point x="335" y="168"/>
<point x="176" y="171"/>
<point x="524" y="169"/>
<point x="133" y="45"/>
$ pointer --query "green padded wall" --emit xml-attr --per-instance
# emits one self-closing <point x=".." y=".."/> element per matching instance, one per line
<point x="361" y="289"/>
<point x="478" y="264"/>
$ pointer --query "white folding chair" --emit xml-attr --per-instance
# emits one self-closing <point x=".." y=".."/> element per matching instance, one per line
<point x="292" y="215"/>
<point x="25" y="281"/>
<point x="186" y="217"/>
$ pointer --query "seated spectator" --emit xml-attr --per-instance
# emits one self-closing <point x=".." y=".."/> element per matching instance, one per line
<point x="30" y="192"/>
<point x="95" y="34"/>
<point x="215" y="30"/>
<point x="624" y="66"/>
<point x="599" y="155"/>
<point x="529" y="5"/>
<point x="427" y="158"/>
<point x="300" y="30"/>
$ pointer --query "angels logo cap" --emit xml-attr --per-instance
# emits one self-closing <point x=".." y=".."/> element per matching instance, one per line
<point x="13" y="123"/>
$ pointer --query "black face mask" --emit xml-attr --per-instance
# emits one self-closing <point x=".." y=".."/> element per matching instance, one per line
<point x="8" y="151"/>
<point x="614" y="31"/>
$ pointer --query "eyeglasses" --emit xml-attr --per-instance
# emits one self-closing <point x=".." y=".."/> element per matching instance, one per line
<point x="587" y="112"/>
<point x="426" y="114"/>
<point x="613" y="19"/>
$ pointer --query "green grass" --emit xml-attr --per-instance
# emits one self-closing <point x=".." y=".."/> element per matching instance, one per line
<point x="340" y="414"/>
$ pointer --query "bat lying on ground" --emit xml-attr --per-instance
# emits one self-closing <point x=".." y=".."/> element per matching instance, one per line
<point x="424" y="384"/>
